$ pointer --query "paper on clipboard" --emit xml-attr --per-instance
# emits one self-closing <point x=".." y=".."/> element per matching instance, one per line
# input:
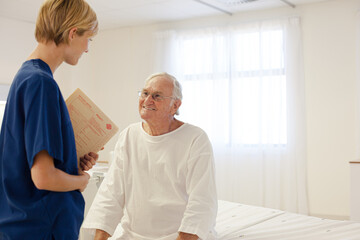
<point x="92" y="128"/>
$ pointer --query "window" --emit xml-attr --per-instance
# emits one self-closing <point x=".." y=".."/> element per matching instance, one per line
<point x="244" y="85"/>
<point x="235" y="86"/>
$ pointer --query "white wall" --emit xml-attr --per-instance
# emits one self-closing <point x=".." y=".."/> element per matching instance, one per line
<point x="119" y="61"/>
<point x="17" y="42"/>
<point x="331" y="96"/>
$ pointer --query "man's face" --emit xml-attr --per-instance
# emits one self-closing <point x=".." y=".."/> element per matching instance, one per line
<point x="160" y="110"/>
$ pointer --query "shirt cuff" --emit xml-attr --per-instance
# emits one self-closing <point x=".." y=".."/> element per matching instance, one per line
<point x="93" y="226"/>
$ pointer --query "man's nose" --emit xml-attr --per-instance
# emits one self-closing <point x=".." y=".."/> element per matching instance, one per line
<point x="149" y="98"/>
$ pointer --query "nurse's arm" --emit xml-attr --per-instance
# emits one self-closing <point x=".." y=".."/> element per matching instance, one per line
<point x="47" y="177"/>
<point x="101" y="235"/>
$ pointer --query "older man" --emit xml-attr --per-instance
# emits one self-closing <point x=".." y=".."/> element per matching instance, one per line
<point x="161" y="185"/>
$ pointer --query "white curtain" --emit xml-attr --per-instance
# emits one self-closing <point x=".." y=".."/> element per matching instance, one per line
<point x="244" y="86"/>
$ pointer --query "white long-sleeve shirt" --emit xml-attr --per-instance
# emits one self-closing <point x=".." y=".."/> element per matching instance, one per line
<point x="158" y="186"/>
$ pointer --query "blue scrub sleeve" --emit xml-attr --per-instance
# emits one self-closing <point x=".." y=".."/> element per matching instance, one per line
<point x="42" y="119"/>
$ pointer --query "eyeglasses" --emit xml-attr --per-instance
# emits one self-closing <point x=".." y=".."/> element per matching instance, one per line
<point x="156" y="96"/>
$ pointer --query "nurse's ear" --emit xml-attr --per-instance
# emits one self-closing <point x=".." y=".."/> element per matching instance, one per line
<point x="72" y="34"/>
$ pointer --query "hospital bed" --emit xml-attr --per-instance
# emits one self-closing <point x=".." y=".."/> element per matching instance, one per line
<point x="236" y="221"/>
<point x="239" y="221"/>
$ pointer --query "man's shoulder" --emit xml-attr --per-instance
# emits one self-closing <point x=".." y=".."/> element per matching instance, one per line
<point x="130" y="129"/>
<point x="190" y="128"/>
<point x="134" y="126"/>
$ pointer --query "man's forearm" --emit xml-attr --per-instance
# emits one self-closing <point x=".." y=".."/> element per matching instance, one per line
<point x="187" y="236"/>
<point x="101" y="235"/>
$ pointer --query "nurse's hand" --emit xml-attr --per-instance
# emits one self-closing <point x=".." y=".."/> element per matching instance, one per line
<point x="84" y="180"/>
<point x="88" y="161"/>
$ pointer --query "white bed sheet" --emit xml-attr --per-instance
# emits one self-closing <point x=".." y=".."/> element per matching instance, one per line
<point x="233" y="217"/>
<point x="281" y="226"/>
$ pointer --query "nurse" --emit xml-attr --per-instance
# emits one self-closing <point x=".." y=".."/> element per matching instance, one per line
<point x="40" y="183"/>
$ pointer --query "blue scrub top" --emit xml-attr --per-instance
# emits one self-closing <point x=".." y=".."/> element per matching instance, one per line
<point x="36" y="118"/>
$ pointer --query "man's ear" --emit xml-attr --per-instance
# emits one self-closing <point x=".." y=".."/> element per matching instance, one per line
<point x="176" y="105"/>
<point x="72" y="33"/>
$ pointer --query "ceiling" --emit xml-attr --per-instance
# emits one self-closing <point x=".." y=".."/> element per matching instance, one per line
<point x="121" y="13"/>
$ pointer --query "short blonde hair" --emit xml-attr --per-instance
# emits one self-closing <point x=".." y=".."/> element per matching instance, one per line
<point x="57" y="17"/>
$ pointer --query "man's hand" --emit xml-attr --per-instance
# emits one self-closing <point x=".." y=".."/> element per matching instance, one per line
<point x="187" y="236"/>
<point x="101" y="235"/>
<point x="88" y="161"/>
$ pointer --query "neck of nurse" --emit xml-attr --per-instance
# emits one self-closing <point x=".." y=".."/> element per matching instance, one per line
<point x="156" y="128"/>
<point x="50" y="53"/>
